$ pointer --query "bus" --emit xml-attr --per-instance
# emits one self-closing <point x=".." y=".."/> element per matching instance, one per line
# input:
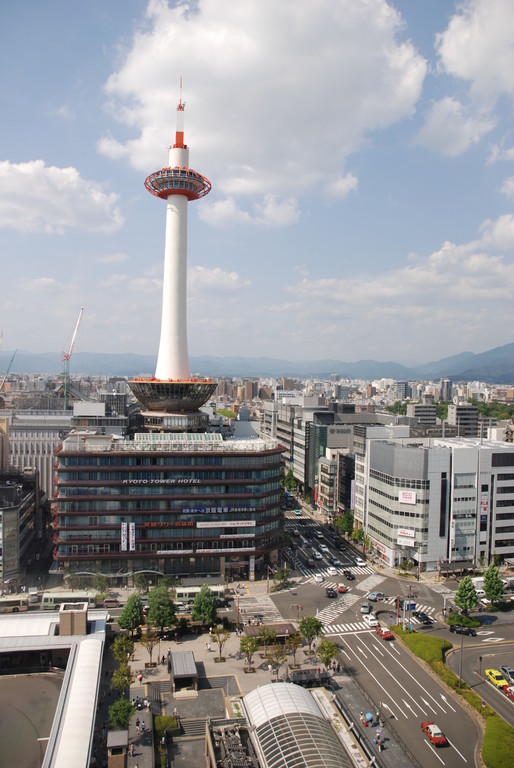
<point x="14" y="603"/>
<point x="187" y="595"/>
<point x="52" y="600"/>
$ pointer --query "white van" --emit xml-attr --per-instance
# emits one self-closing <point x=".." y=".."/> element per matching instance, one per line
<point x="359" y="561"/>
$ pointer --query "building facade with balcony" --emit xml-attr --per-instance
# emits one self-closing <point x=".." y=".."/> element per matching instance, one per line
<point x="170" y="503"/>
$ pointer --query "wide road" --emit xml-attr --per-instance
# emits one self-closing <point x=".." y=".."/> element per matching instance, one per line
<point x="407" y="695"/>
<point x="476" y="658"/>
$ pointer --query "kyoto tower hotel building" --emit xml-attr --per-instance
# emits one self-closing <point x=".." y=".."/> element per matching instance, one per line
<point x="176" y="498"/>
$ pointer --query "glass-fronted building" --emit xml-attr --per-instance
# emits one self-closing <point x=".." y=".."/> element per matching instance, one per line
<point x="187" y="504"/>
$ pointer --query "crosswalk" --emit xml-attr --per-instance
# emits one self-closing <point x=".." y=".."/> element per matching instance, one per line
<point x="258" y="605"/>
<point x="359" y="626"/>
<point x="310" y="573"/>
<point x="336" y="607"/>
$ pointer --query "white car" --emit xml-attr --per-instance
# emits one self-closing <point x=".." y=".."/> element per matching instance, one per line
<point x="318" y="578"/>
<point x="317" y="555"/>
<point x="332" y="571"/>
<point x="359" y="561"/>
<point x="323" y="548"/>
<point x="370" y="620"/>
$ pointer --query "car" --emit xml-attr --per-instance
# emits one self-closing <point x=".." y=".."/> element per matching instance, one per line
<point x="370" y="620"/>
<point x="375" y="596"/>
<point x="359" y="561"/>
<point x="317" y="555"/>
<point x="459" y="629"/>
<point x="349" y="575"/>
<point x="509" y="691"/>
<point x="323" y="548"/>
<point x="508" y="673"/>
<point x="496" y="678"/>
<point x="384" y="633"/>
<point x="298" y="512"/>
<point x="319" y="579"/>
<point x="423" y="617"/>
<point x="340" y="546"/>
<point x="319" y="534"/>
<point x="331" y="571"/>
<point x="307" y="544"/>
<point x="342" y="589"/>
<point x="296" y="532"/>
<point x="434" y="734"/>
<point x="331" y="592"/>
<point x="309" y="534"/>
<point x="336" y="561"/>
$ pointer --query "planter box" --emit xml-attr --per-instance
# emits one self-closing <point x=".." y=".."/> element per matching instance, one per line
<point x="150" y="664"/>
<point x="218" y="660"/>
<point x="247" y="670"/>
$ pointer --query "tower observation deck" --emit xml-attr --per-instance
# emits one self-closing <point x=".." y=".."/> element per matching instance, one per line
<point x="172" y="390"/>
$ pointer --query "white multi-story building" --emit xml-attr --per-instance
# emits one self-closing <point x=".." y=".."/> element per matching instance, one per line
<point x="431" y="500"/>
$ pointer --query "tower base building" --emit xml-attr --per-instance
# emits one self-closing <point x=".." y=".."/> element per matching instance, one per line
<point x="184" y="504"/>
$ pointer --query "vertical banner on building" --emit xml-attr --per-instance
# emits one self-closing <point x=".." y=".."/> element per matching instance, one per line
<point x="132" y="537"/>
<point x="352" y="494"/>
<point x="124" y="537"/>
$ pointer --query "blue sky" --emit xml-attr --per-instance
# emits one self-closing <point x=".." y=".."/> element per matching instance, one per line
<point x="361" y="154"/>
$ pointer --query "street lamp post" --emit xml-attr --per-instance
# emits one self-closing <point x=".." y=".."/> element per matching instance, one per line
<point x="460" y="660"/>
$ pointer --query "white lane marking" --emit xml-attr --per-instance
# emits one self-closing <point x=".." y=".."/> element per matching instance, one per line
<point x="433" y="750"/>
<point x="422" y="688"/>
<point x="486" y="632"/>
<point x="377" y="681"/>
<point x="492" y="640"/>
<point x="457" y="751"/>
<point x="406" y="692"/>
<point x="378" y="649"/>
<point x="447" y="702"/>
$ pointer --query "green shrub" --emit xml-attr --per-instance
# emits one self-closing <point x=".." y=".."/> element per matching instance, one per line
<point x="498" y="746"/>
<point x="461" y="618"/>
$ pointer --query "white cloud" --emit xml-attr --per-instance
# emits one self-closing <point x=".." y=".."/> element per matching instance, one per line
<point x="39" y="285"/>
<point x="341" y="186"/>
<point x="478" y="46"/>
<point x="449" y="130"/>
<point x="499" y="233"/>
<point x="223" y="213"/>
<point x="112" y="258"/>
<point x="499" y="152"/>
<point x="214" y="281"/>
<point x="39" y="198"/>
<point x="252" y="125"/>
<point x="508" y="188"/>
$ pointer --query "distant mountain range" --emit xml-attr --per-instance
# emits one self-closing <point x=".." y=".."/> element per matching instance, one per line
<point x="495" y="366"/>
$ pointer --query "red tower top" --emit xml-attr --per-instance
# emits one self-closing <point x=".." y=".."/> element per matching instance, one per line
<point x="178" y="180"/>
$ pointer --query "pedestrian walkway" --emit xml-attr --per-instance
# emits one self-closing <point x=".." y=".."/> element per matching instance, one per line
<point x="336" y="608"/>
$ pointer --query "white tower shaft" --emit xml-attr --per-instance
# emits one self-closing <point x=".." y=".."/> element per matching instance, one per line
<point x="172" y="358"/>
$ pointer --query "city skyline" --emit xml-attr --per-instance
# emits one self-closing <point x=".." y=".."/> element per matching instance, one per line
<point x="360" y="157"/>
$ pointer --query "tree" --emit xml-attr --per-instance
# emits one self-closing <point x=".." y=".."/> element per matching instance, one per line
<point x="220" y="635"/>
<point x="122" y="648"/>
<point x="310" y="627"/>
<point x="73" y="582"/>
<point x="493" y="585"/>
<point x="132" y="615"/>
<point x="122" y="678"/>
<point x="120" y="713"/>
<point x="248" y="646"/>
<point x="266" y="636"/>
<point x="204" y="606"/>
<point x="290" y="481"/>
<point x="293" y="642"/>
<point x="275" y="657"/>
<point x="149" y="640"/>
<point x="327" y="650"/>
<point x="358" y="535"/>
<point x="100" y="582"/>
<point x="281" y="577"/>
<point x="466" y="595"/>
<point x="141" y="582"/>
<point x="345" y="523"/>
<point x="161" y="610"/>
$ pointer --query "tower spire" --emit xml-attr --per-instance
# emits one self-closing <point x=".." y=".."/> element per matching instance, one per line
<point x="179" y="133"/>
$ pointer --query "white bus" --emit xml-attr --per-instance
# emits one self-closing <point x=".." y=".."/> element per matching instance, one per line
<point x="14" y="603"/>
<point x="52" y="600"/>
<point x="187" y="595"/>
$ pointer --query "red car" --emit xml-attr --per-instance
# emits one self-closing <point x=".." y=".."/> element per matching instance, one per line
<point x="342" y="589"/>
<point x="385" y="633"/>
<point x="434" y="733"/>
<point x="509" y="691"/>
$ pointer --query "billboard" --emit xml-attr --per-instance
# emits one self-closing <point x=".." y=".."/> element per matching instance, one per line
<point x="407" y="497"/>
<point x="124" y="537"/>
<point x="409" y="533"/>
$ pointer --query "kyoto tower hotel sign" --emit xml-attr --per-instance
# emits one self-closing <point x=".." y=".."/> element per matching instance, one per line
<point x="172" y="390"/>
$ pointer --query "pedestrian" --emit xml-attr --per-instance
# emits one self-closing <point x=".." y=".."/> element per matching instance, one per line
<point x="206" y="646"/>
<point x="143" y="726"/>
<point x="209" y="647"/>
<point x="338" y="667"/>
<point x="138" y="724"/>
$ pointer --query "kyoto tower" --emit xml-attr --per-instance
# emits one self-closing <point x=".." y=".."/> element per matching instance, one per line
<point x="172" y="390"/>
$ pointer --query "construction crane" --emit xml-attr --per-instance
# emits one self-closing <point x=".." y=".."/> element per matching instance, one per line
<point x="66" y="357"/>
<point x="7" y="371"/>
